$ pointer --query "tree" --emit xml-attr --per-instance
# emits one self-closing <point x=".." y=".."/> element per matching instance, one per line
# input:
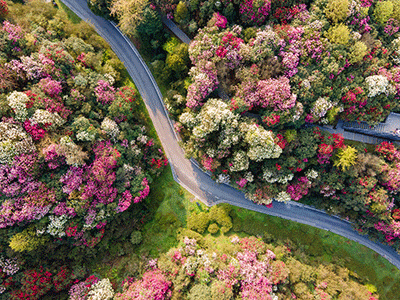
<point x="26" y="240"/>
<point x="181" y="12"/>
<point x="150" y="28"/>
<point x="129" y="13"/>
<point x="336" y="10"/>
<point x="179" y="59"/>
<point x="383" y="11"/>
<point x="346" y="158"/>
<point x="198" y="222"/>
<point x="339" y="34"/>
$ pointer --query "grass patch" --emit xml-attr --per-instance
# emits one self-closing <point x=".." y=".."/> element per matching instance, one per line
<point x="322" y="246"/>
<point x="172" y="204"/>
<point x="71" y="15"/>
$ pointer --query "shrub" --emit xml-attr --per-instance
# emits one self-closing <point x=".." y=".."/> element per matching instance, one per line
<point x="383" y="11"/>
<point x="3" y="9"/>
<point x="357" y="52"/>
<point x="101" y="290"/>
<point x="220" y="216"/>
<point x="249" y="33"/>
<point x="153" y="285"/>
<point x="339" y="34"/>
<point x="346" y="157"/>
<point x="336" y="10"/>
<point x="35" y="283"/>
<point x="198" y="222"/>
<point x="213" y="228"/>
<point x="125" y="104"/>
<point x="199" y="292"/>
<point x="136" y="237"/>
<point x="220" y="291"/>
<point x="290" y="135"/>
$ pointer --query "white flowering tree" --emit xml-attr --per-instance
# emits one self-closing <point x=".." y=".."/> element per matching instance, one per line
<point x="260" y="141"/>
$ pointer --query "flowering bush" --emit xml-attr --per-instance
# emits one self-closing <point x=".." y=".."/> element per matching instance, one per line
<point x="254" y="11"/>
<point x="80" y="290"/>
<point x="153" y="285"/>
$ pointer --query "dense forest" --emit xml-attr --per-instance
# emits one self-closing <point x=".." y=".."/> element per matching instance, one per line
<point x="84" y="183"/>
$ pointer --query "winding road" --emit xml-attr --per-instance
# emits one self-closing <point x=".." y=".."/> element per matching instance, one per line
<point x="185" y="171"/>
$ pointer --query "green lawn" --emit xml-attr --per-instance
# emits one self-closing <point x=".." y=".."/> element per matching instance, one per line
<point x="174" y="204"/>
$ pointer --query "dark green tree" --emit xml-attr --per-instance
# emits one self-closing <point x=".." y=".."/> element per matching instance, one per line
<point x="149" y="29"/>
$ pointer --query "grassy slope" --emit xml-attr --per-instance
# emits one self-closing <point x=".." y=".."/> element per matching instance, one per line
<point x="174" y="204"/>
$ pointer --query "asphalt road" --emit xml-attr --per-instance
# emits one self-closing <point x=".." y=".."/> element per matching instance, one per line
<point x="186" y="171"/>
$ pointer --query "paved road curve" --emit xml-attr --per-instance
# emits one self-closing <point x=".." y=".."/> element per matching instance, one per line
<point x="185" y="171"/>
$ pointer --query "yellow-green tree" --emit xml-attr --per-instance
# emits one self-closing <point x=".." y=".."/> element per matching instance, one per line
<point x="357" y="52"/>
<point x="26" y="240"/>
<point x="339" y="34"/>
<point x="383" y="11"/>
<point x="129" y="13"/>
<point x="336" y="10"/>
<point x="181" y="12"/>
<point x="346" y="157"/>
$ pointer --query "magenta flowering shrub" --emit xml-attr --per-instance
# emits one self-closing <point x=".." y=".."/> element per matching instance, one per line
<point x="254" y="282"/>
<point x="206" y="83"/>
<point x="219" y="20"/>
<point x="50" y="87"/>
<point x="100" y="176"/>
<point x="300" y="189"/>
<point x="19" y="177"/>
<point x="14" y="31"/>
<point x="272" y="93"/>
<point x="254" y="12"/>
<point x="104" y="92"/>
<point x="34" y="130"/>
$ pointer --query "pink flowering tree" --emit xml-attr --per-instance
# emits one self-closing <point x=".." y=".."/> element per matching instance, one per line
<point x="153" y="285"/>
<point x="50" y="87"/>
<point x="105" y="93"/>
